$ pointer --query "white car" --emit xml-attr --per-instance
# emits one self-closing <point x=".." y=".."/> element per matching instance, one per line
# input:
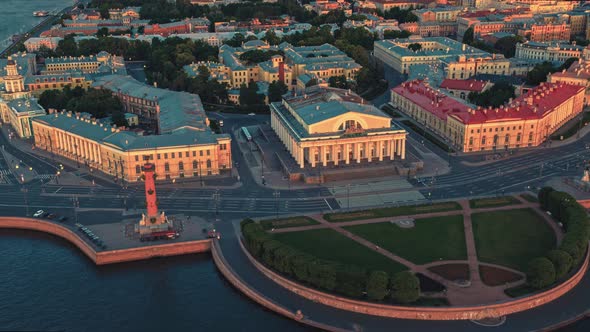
<point x="251" y="114"/>
<point x="38" y="213"/>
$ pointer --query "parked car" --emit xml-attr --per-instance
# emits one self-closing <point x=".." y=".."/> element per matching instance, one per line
<point x="38" y="213"/>
<point x="52" y="216"/>
<point x="62" y="219"/>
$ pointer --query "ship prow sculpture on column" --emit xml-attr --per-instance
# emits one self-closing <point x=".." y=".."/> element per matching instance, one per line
<point x="153" y="220"/>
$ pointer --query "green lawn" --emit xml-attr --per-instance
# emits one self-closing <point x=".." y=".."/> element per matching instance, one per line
<point x="492" y="202"/>
<point x="287" y="222"/>
<point x="392" y="212"/>
<point x="429" y="240"/>
<point x="511" y="238"/>
<point x="330" y="245"/>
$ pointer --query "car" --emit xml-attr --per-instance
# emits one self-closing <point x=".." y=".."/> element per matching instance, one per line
<point x="251" y="114"/>
<point x="63" y="218"/>
<point x="52" y="216"/>
<point x="38" y="213"/>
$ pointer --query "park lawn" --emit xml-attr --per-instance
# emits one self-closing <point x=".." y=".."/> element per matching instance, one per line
<point x="330" y="245"/>
<point x="429" y="240"/>
<point x="392" y="211"/>
<point x="287" y="222"/>
<point x="493" y="202"/>
<point x="511" y="237"/>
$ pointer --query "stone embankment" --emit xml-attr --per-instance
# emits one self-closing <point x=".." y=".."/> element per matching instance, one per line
<point x="107" y="256"/>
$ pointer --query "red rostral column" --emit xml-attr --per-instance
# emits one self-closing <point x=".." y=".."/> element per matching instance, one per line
<point x="150" y="190"/>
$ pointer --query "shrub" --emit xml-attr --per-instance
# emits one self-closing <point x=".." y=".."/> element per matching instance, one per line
<point x="352" y="280"/>
<point x="377" y="285"/>
<point x="562" y="261"/>
<point x="405" y="287"/>
<point x="540" y="273"/>
<point x="543" y="196"/>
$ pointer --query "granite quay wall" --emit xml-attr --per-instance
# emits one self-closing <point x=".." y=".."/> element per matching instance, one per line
<point x="110" y="256"/>
<point x="423" y="313"/>
<point x="153" y="251"/>
<point x="240" y="284"/>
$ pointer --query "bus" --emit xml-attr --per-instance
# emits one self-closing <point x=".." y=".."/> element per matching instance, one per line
<point x="246" y="134"/>
<point x="163" y="235"/>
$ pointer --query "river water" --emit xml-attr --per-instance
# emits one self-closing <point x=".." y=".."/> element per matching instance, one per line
<point x="48" y="285"/>
<point x="16" y="16"/>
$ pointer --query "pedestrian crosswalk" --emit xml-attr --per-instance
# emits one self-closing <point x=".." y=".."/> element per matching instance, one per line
<point x="44" y="176"/>
<point x="6" y="177"/>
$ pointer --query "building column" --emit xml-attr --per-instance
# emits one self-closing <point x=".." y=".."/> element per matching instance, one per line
<point x="357" y="149"/>
<point x="346" y="153"/>
<point x="368" y="151"/>
<point x="311" y="152"/>
<point x="390" y="149"/>
<point x="380" y="147"/>
<point x="324" y="155"/>
<point x="335" y="149"/>
<point x="300" y="157"/>
<point x="403" y="148"/>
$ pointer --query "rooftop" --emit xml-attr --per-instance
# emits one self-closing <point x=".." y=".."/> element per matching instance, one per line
<point x="465" y="85"/>
<point x="535" y="104"/>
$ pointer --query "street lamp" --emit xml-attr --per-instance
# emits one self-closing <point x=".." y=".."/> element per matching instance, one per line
<point x="216" y="198"/>
<point x="76" y="151"/>
<point x="348" y="196"/>
<point x="26" y="196"/>
<point x="276" y="195"/>
<point x="76" y="205"/>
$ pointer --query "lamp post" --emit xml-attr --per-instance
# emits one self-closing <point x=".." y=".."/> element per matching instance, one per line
<point x="580" y="125"/>
<point x="348" y="196"/>
<point x="76" y="153"/>
<point x="200" y="173"/>
<point x="76" y="205"/>
<point x="276" y="195"/>
<point x="216" y="198"/>
<point x="26" y="196"/>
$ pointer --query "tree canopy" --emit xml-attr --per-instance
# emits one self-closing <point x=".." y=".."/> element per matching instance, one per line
<point x="495" y="96"/>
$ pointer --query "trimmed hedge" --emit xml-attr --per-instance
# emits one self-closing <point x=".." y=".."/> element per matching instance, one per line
<point x="571" y="252"/>
<point x="346" y="279"/>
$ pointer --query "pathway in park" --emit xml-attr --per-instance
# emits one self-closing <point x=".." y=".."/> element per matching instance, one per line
<point x="474" y="293"/>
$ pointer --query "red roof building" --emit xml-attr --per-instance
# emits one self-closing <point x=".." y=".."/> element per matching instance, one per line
<point x="526" y="121"/>
<point x="461" y="88"/>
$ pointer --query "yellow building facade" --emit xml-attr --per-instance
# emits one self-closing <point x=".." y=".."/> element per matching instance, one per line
<point x="526" y="121"/>
<point x="326" y="128"/>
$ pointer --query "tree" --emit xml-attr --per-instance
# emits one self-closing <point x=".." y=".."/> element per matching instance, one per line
<point x="468" y="36"/>
<point x="276" y="90"/>
<point x="102" y="32"/>
<point x="497" y="95"/>
<point x="351" y="280"/>
<point x="377" y="285"/>
<point x="271" y="37"/>
<point x="415" y="47"/>
<point x="507" y="45"/>
<point x="394" y="34"/>
<point x="543" y="196"/>
<point x="562" y="262"/>
<point x="539" y="73"/>
<point x="540" y="273"/>
<point x="339" y="82"/>
<point x="249" y="98"/>
<point x="405" y="287"/>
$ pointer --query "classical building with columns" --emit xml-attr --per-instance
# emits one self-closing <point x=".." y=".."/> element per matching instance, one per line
<point x="526" y="121"/>
<point x="330" y="127"/>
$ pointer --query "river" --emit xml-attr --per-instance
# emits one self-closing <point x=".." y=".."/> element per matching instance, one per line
<point x="48" y="285"/>
<point x="16" y="16"/>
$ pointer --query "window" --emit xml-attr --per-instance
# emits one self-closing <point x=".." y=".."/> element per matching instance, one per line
<point x="483" y="140"/>
<point x="165" y="156"/>
<point x="201" y="153"/>
<point x="195" y="164"/>
<point x="181" y="166"/>
<point x="173" y="155"/>
<point x="470" y="140"/>
<point x="159" y="156"/>
<point x="137" y="169"/>
<point x="186" y="154"/>
<point x="208" y="152"/>
<point x="136" y="158"/>
<point x="167" y="167"/>
<point x="194" y="153"/>
<point x="208" y="163"/>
